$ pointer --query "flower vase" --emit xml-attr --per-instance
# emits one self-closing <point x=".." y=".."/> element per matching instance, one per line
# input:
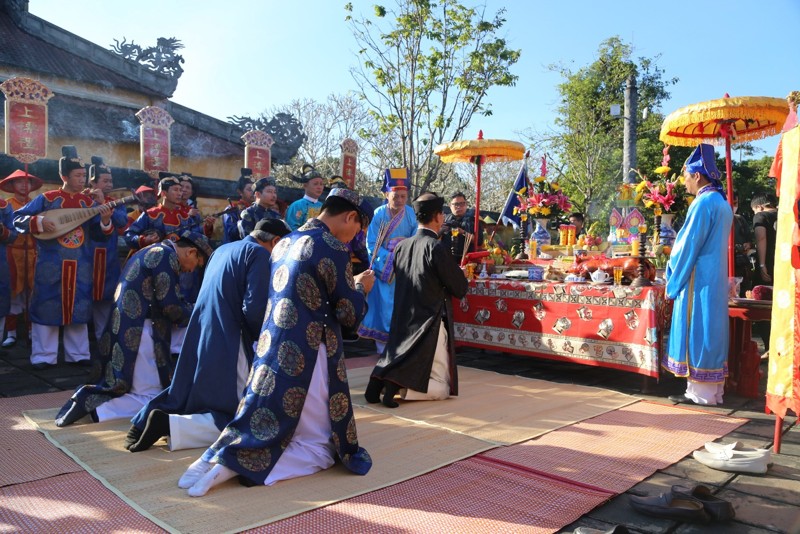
<point x="541" y="235"/>
<point x="667" y="233"/>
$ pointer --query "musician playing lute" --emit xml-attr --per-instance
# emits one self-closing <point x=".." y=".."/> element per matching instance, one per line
<point x="62" y="292"/>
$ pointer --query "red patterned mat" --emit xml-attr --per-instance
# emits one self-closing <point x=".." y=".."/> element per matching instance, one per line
<point x="75" y="503"/>
<point x="472" y="495"/>
<point x="616" y="450"/>
<point x="27" y="455"/>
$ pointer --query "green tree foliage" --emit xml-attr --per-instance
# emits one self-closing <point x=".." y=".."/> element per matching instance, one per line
<point x="585" y="145"/>
<point x="425" y="70"/>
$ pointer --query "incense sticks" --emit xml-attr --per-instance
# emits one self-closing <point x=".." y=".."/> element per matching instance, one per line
<point x="467" y="242"/>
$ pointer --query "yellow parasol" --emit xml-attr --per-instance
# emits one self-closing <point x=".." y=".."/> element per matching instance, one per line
<point x="720" y="121"/>
<point x="479" y="151"/>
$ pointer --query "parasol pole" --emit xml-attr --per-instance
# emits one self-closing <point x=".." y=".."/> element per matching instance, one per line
<point x="728" y="170"/>
<point x="478" y="198"/>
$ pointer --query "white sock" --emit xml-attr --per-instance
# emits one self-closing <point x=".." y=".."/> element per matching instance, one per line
<point x="217" y="475"/>
<point x="11" y="334"/>
<point x="379" y="347"/>
<point x="194" y="473"/>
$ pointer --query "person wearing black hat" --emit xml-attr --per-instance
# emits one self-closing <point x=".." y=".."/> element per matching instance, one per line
<point x="697" y="282"/>
<point x="167" y="220"/>
<point x="296" y="416"/>
<point x="309" y="206"/>
<point x="230" y="220"/>
<point x="21" y="253"/>
<point x="217" y="352"/>
<point x="62" y="289"/>
<point x="105" y="258"/>
<point x="189" y="206"/>
<point x="420" y="356"/>
<point x="134" y="348"/>
<point x="265" y="206"/>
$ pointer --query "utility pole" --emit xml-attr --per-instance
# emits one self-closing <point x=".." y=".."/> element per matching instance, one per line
<point x="629" y="130"/>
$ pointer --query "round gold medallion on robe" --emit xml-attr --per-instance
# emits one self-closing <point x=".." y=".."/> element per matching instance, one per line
<point x="346" y="312"/>
<point x="280" y="278"/>
<point x="293" y="400"/>
<point x="263" y="382"/>
<point x="133" y="337"/>
<point x="268" y="310"/>
<point x="131" y="304"/>
<point x="352" y="435"/>
<point x="308" y="291"/>
<point x="314" y="334"/>
<point x="147" y="288"/>
<point x="302" y="249"/>
<point x="174" y="263"/>
<point x="133" y="271"/>
<point x="153" y="257"/>
<point x="163" y="285"/>
<point x="291" y="359"/>
<point x="348" y="276"/>
<point x="338" y="406"/>
<point x="331" y="342"/>
<point x="264" y="342"/>
<point x="117" y="357"/>
<point x="341" y="371"/>
<point x="115" y="321"/>
<point x="326" y="270"/>
<point x="285" y="315"/>
<point x="263" y="424"/>
<point x="281" y="249"/>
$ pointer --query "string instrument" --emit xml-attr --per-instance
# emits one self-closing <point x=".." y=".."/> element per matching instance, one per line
<point x="66" y="219"/>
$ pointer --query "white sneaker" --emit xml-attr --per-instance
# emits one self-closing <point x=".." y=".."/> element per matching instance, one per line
<point x="737" y="447"/>
<point x="735" y="461"/>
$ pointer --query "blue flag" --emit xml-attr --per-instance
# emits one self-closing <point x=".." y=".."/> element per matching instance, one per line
<point x="507" y="216"/>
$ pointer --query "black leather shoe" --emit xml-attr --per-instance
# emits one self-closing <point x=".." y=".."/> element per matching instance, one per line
<point x="70" y="413"/>
<point x="373" y="391"/>
<point x="81" y="363"/>
<point x="389" y="391"/>
<point x="681" y="399"/>
<point x="669" y="506"/>
<point x="133" y="436"/>
<point x="716" y="508"/>
<point x="41" y="366"/>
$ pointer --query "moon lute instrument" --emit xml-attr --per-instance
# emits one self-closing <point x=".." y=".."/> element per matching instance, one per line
<point x="67" y="219"/>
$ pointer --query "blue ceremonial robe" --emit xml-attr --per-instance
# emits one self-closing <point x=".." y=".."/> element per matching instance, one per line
<point x="229" y="309"/>
<point x="148" y="289"/>
<point x="302" y="210"/>
<point x="252" y="215"/>
<point x="230" y="223"/>
<point x="105" y="258"/>
<point x="378" y="320"/>
<point x="7" y="236"/>
<point x="697" y="280"/>
<point x="311" y="296"/>
<point x="62" y="288"/>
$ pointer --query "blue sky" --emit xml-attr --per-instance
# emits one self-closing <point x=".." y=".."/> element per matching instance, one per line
<point x="243" y="56"/>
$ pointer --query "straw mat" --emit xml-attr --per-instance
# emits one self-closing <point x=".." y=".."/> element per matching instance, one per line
<point x="616" y="450"/>
<point x="400" y="450"/>
<point x="472" y="495"/>
<point x="75" y="503"/>
<point x="501" y="409"/>
<point x="26" y="454"/>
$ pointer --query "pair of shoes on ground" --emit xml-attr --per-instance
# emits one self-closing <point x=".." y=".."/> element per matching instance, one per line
<point x="41" y="366"/>
<point x="734" y="457"/>
<point x="683" y="399"/>
<point x="695" y="504"/>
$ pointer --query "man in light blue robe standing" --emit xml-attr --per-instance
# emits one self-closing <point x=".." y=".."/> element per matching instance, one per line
<point x="392" y="223"/>
<point x="310" y="205"/>
<point x="697" y="281"/>
<point x="217" y="352"/>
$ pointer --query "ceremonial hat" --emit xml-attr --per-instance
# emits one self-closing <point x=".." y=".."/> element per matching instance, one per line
<point x="273" y="226"/>
<point x="337" y="181"/>
<point x="197" y="240"/>
<point x="261" y="183"/>
<point x="144" y="189"/>
<point x="308" y="173"/>
<point x="395" y="179"/>
<point x="69" y="160"/>
<point x="361" y="205"/>
<point x="7" y="185"/>
<point x="245" y="178"/>
<point x="186" y="177"/>
<point x="168" y="179"/>
<point x="97" y="168"/>
<point x="703" y="160"/>
<point x="431" y="203"/>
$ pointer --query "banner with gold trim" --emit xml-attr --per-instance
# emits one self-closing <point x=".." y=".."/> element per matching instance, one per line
<point x="258" y="153"/>
<point x="26" y="118"/>
<point x="349" y="161"/>
<point x="155" y="139"/>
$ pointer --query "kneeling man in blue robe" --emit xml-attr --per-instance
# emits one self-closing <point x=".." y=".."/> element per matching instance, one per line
<point x="217" y="352"/>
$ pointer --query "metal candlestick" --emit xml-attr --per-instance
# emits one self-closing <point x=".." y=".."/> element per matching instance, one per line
<point x="641" y="280"/>
<point x="523" y="237"/>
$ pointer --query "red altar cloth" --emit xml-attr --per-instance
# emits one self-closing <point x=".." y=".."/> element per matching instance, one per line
<point x="608" y="326"/>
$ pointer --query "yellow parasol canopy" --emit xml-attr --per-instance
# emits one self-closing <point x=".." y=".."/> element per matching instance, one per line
<point x="740" y="119"/>
<point x="487" y="149"/>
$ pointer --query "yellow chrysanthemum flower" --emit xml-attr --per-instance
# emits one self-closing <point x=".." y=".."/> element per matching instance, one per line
<point x="661" y="170"/>
<point x="545" y="211"/>
<point x="648" y="203"/>
<point x="641" y="186"/>
<point x="555" y="186"/>
<point x="522" y="191"/>
<point x="539" y="179"/>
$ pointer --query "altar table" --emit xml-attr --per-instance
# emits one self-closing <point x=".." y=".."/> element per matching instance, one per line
<point x="620" y="327"/>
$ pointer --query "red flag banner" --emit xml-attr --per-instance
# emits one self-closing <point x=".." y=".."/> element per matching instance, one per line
<point x="26" y="118"/>
<point x="155" y="139"/>
<point x="348" y="170"/>
<point x="258" y="153"/>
